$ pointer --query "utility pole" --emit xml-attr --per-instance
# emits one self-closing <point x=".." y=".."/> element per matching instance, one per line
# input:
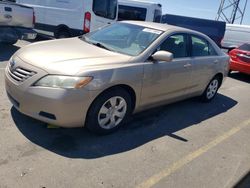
<point x="232" y="11"/>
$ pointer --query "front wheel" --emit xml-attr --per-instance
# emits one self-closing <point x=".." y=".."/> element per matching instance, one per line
<point x="109" y="111"/>
<point x="211" y="90"/>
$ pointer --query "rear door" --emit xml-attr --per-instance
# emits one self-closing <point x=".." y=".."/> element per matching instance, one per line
<point x="204" y="62"/>
<point x="104" y="12"/>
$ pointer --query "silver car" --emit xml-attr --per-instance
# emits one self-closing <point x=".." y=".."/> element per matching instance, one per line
<point x="99" y="79"/>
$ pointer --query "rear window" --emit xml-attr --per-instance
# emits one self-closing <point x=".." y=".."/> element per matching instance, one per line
<point x="245" y="47"/>
<point x="131" y="13"/>
<point x="157" y="16"/>
<point x="105" y="8"/>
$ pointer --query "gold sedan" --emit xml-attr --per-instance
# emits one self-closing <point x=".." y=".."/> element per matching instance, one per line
<point x="99" y="79"/>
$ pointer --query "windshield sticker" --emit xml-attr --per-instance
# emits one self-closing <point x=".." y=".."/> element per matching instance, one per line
<point x="152" y="31"/>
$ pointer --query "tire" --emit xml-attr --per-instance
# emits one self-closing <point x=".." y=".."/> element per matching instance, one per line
<point x="211" y="90"/>
<point x="62" y="34"/>
<point x="109" y="111"/>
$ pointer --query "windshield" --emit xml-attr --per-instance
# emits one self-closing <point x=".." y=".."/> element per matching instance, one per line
<point x="123" y="38"/>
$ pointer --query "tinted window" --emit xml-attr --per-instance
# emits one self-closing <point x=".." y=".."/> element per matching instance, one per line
<point x="176" y="44"/>
<point x="105" y="8"/>
<point x="157" y="16"/>
<point x="132" y="13"/>
<point x="245" y="47"/>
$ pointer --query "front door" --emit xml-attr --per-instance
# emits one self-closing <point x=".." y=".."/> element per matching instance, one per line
<point x="168" y="80"/>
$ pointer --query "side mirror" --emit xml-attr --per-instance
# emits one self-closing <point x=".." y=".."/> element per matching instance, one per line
<point x="162" y="56"/>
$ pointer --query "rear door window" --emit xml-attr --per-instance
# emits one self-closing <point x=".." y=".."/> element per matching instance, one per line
<point x="201" y="47"/>
<point x="105" y="8"/>
<point x="132" y="13"/>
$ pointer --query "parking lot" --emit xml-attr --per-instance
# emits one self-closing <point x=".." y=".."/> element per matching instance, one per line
<point x="186" y="144"/>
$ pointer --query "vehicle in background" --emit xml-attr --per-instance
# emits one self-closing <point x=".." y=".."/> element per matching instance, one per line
<point x="235" y="36"/>
<point x="16" y="22"/>
<point x="99" y="79"/>
<point x="139" y="10"/>
<point x="214" y="29"/>
<point x="67" y="18"/>
<point x="240" y="58"/>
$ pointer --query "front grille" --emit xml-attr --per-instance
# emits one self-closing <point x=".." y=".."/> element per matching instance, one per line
<point x="20" y="74"/>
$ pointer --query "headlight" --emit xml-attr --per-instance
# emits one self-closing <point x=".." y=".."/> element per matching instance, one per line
<point x="67" y="82"/>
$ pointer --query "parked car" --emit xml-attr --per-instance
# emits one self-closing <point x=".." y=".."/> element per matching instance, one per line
<point x="240" y="59"/>
<point x="139" y="10"/>
<point x="16" y="22"/>
<point x="235" y="36"/>
<point x="66" y="18"/>
<point x="99" y="79"/>
<point x="214" y="29"/>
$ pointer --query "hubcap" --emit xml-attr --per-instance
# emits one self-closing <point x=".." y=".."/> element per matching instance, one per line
<point x="112" y="112"/>
<point x="212" y="89"/>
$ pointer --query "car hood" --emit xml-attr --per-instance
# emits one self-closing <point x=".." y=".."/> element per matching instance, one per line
<point x="68" y="56"/>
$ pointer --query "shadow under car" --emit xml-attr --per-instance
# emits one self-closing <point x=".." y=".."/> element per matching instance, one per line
<point x="140" y="129"/>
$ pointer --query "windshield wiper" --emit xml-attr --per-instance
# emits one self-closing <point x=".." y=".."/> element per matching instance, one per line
<point x="98" y="44"/>
<point x="101" y="46"/>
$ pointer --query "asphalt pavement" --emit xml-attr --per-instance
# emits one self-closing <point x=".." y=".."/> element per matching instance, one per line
<point x="187" y="144"/>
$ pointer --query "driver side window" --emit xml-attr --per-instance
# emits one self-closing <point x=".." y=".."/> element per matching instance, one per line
<point x="176" y="44"/>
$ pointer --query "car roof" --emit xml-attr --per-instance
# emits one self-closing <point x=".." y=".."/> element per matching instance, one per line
<point x="161" y="27"/>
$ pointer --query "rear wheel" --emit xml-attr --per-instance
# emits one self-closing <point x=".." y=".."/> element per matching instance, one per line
<point x="211" y="89"/>
<point x="109" y="111"/>
<point x="62" y="34"/>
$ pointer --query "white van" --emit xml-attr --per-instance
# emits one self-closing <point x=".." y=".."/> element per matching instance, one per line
<point x="235" y="36"/>
<point x="65" y="18"/>
<point x="139" y="10"/>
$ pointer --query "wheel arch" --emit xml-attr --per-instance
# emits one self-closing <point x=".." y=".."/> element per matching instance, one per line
<point x="126" y="87"/>
<point x="220" y="76"/>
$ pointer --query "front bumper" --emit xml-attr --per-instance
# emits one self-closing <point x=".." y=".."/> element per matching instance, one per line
<point x="62" y="107"/>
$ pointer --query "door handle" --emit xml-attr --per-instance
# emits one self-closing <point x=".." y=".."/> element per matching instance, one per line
<point x="187" y="65"/>
<point x="216" y="61"/>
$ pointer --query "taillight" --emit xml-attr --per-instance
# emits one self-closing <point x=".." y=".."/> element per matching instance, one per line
<point x="233" y="54"/>
<point x="34" y="18"/>
<point x="87" y="21"/>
